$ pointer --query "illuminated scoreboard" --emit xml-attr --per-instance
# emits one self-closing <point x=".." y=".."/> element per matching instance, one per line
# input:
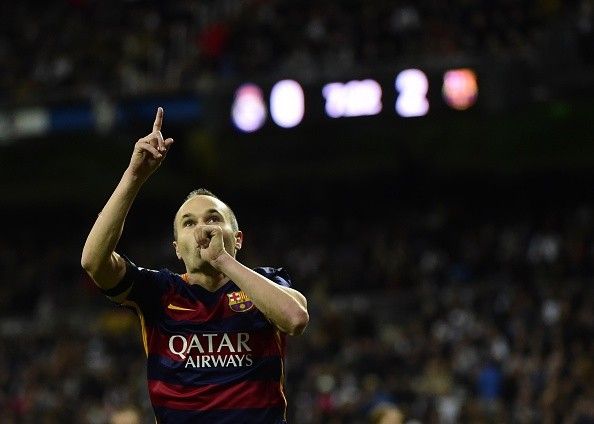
<point x="409" y="94"/>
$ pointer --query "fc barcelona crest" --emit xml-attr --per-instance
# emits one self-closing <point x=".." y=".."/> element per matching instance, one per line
<point x="239" y="301"/>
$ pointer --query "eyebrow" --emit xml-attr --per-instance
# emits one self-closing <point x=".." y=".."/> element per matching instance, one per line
<point x="209" y="211"/>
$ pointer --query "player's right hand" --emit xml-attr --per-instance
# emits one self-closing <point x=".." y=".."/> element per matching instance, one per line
<point x="149" y="151"/>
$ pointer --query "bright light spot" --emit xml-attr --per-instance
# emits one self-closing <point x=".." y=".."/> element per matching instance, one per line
<point x="460" y="88"/>
<point x="412" y="86"/>
<point x="287" y="103"/>
<point x="355" y="98"/>
<point x="248" y="111"/>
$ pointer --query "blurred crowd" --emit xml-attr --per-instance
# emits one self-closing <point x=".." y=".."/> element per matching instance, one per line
<point x="440" y="313"/>
<point x="89" y="49"/>
<point x="436" y="314"/>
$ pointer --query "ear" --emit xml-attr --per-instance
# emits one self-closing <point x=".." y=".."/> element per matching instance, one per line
<point x="176" y="250"/>
<point x="238" y="240"/>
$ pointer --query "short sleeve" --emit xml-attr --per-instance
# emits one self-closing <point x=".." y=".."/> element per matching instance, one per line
<point x="146" y="287"/>
<point x="279" y="275"/>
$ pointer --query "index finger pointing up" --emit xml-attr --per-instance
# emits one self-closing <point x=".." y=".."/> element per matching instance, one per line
<point x="158" y="120"/>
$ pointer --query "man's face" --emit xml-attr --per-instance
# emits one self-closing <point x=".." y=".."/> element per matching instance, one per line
<point x="200" y="210"/>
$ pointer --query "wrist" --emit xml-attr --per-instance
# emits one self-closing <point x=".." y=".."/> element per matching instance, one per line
<point x="221" y="262"/>
<point x="133" y="178"/>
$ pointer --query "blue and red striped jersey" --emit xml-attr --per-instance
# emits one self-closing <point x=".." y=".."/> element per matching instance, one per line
<point x="212" y="357"/>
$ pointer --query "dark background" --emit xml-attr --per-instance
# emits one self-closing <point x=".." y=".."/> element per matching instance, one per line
<point x="447" y="259"/>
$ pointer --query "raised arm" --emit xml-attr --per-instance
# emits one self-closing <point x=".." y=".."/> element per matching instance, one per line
<point x="99" y="258"/>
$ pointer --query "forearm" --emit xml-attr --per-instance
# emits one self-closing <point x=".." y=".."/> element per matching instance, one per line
<point x="286" y="308"/>
<point x="105" y="234"/>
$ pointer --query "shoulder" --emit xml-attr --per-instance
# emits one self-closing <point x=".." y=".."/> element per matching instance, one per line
<point x="278" y="275"/>
<point x="148" y="278"/>
<point x="137" y="272"/>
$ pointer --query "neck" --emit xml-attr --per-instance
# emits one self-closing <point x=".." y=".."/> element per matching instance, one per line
<point x="207" y="277"/>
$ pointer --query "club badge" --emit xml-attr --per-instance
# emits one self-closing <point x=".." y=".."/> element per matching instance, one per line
<point x="239" y="301"/>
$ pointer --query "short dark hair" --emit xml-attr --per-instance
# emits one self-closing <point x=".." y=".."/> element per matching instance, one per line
<point x="205" y="192"/>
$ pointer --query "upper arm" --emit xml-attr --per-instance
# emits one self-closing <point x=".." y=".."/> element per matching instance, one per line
<point x="281" y="277"/>
<point x="295" y="295"/>
<point x="293" y="320"/>
<point x="110" y="273"/>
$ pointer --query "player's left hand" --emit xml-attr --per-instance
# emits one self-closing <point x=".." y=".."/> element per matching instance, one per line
<point x="211" y="243"/>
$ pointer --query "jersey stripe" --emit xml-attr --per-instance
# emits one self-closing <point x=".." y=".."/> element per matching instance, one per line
<point x="228" y="324"/>
<point x="195" y="311"/>
<point x="245" y="394"/>
<point x="226" y="416"/>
